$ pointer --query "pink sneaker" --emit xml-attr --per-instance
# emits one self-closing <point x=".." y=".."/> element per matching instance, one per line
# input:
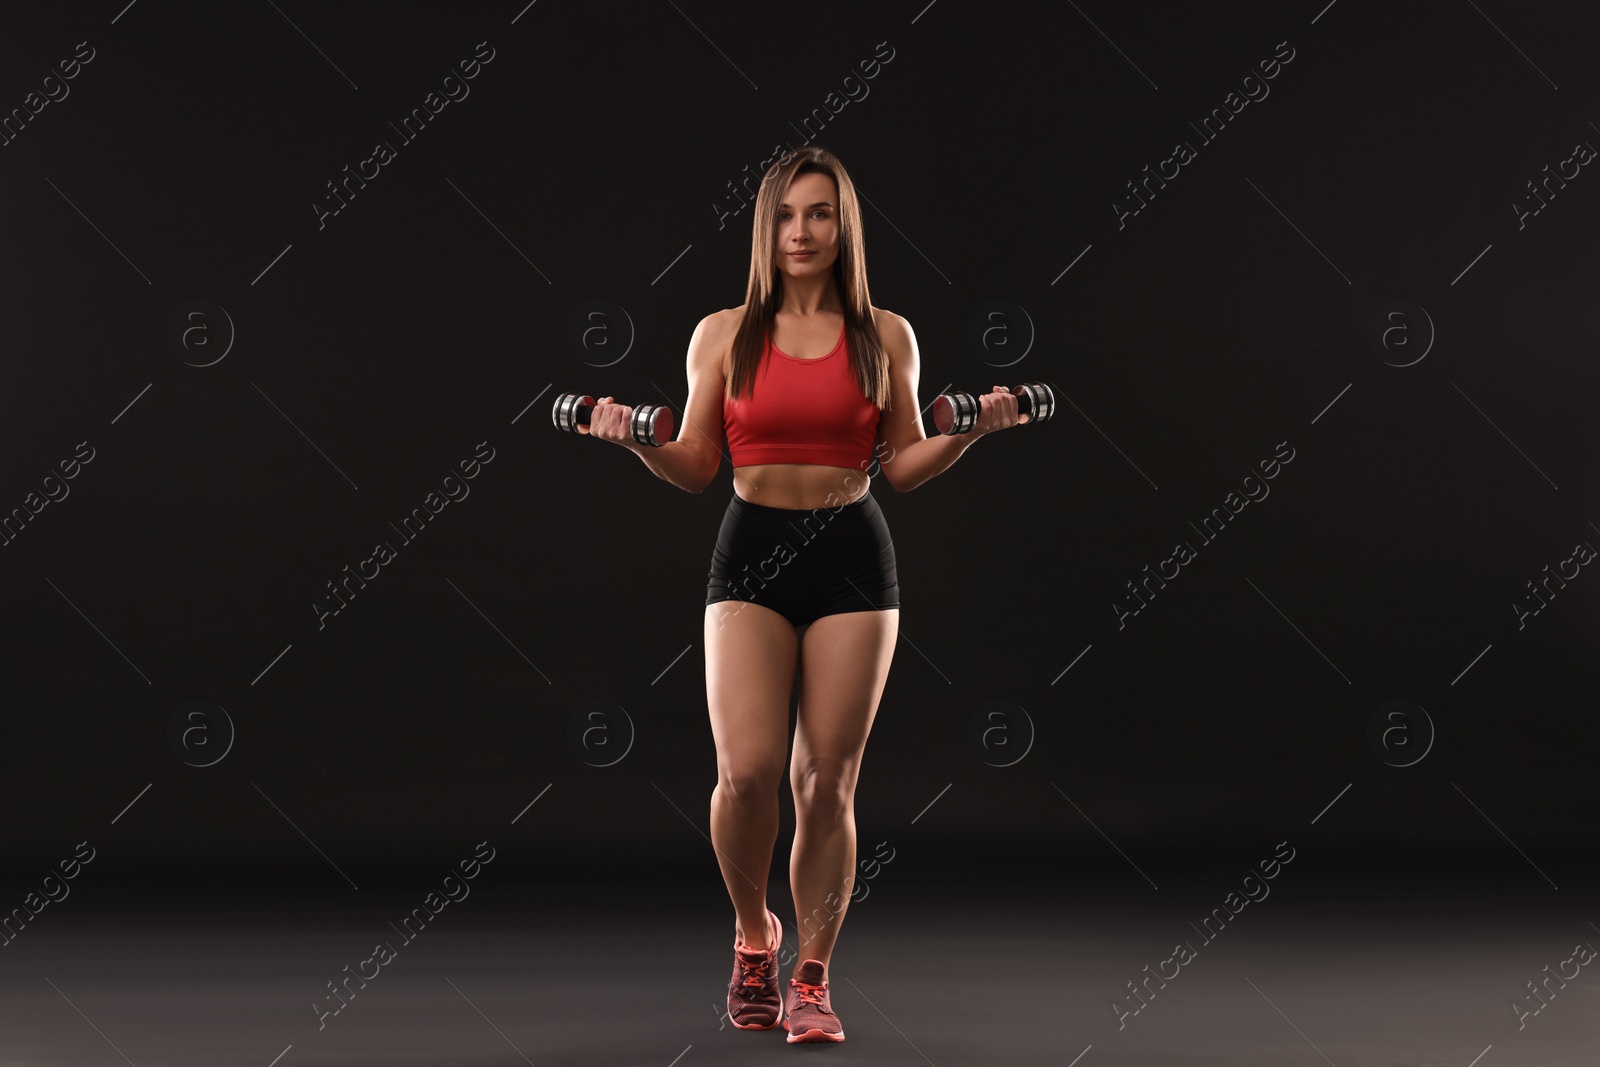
<point x="754" y="1002"/>
<point x="810" y="1013"/>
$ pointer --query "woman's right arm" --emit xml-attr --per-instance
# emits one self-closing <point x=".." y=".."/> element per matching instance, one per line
<point x="691" y="461"/>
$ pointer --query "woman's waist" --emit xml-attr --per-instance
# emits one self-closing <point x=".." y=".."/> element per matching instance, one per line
<point x="800" y="486"/>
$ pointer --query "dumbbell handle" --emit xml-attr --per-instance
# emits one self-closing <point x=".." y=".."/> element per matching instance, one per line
<point x="651" y="424"/>
<point x="957" y="412"/>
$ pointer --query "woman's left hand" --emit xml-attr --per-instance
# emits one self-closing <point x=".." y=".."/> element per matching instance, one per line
<point x="998" y="411"/>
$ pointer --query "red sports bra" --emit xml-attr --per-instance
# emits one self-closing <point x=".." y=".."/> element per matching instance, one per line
<point x="803" y="411"/>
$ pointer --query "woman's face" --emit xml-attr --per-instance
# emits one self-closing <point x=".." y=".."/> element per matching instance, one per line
<point x="808" y="221"/>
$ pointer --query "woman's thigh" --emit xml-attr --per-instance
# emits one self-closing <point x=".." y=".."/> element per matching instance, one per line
<point x="844" y="664"/>
<point x="751" y="655"/>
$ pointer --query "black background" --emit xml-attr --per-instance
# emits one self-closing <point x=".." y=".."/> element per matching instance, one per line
<point x="434" y="311"/>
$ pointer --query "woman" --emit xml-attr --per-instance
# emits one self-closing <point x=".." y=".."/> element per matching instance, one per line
<point x="809" y="387"/>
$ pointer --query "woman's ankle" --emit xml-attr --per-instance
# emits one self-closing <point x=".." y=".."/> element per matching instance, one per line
<point x="746" y="942"/>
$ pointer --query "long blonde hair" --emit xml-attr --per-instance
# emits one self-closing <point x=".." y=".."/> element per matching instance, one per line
<point x="763" y="294"/>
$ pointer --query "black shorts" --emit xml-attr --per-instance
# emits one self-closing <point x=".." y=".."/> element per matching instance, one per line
<point x="805" y="563"/>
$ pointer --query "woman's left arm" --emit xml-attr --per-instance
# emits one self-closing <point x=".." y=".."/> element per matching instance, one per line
<point x="907" y="455"/>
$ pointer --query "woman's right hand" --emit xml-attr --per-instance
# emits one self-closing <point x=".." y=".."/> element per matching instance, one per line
<point x="609" y="422"/>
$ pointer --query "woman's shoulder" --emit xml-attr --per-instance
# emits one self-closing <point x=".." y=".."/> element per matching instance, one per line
<point x="714" y="338"/>
<point x="893" y="330"/>
<point x="888" y="322"/>
<point x="724" y="324"/>
<point x="716" y="330"/>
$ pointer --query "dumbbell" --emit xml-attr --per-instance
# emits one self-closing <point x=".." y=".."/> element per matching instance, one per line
<point x="957" y="412"/>
<point x="651" y="423"/>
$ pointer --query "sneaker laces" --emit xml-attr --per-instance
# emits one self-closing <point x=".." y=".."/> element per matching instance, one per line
<point x="754" y="972"/>
<point x="809" y="992"/>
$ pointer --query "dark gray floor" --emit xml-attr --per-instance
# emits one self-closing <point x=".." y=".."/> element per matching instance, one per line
<point x="1380" y="971"/>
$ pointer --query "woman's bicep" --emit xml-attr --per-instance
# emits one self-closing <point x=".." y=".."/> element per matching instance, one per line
<point x="702" y="420"/>
<point x="901" y="424"/>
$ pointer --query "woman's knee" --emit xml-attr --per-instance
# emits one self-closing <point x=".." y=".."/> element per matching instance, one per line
<point x="824" y="792"/>
<point x="750" y="780"/>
